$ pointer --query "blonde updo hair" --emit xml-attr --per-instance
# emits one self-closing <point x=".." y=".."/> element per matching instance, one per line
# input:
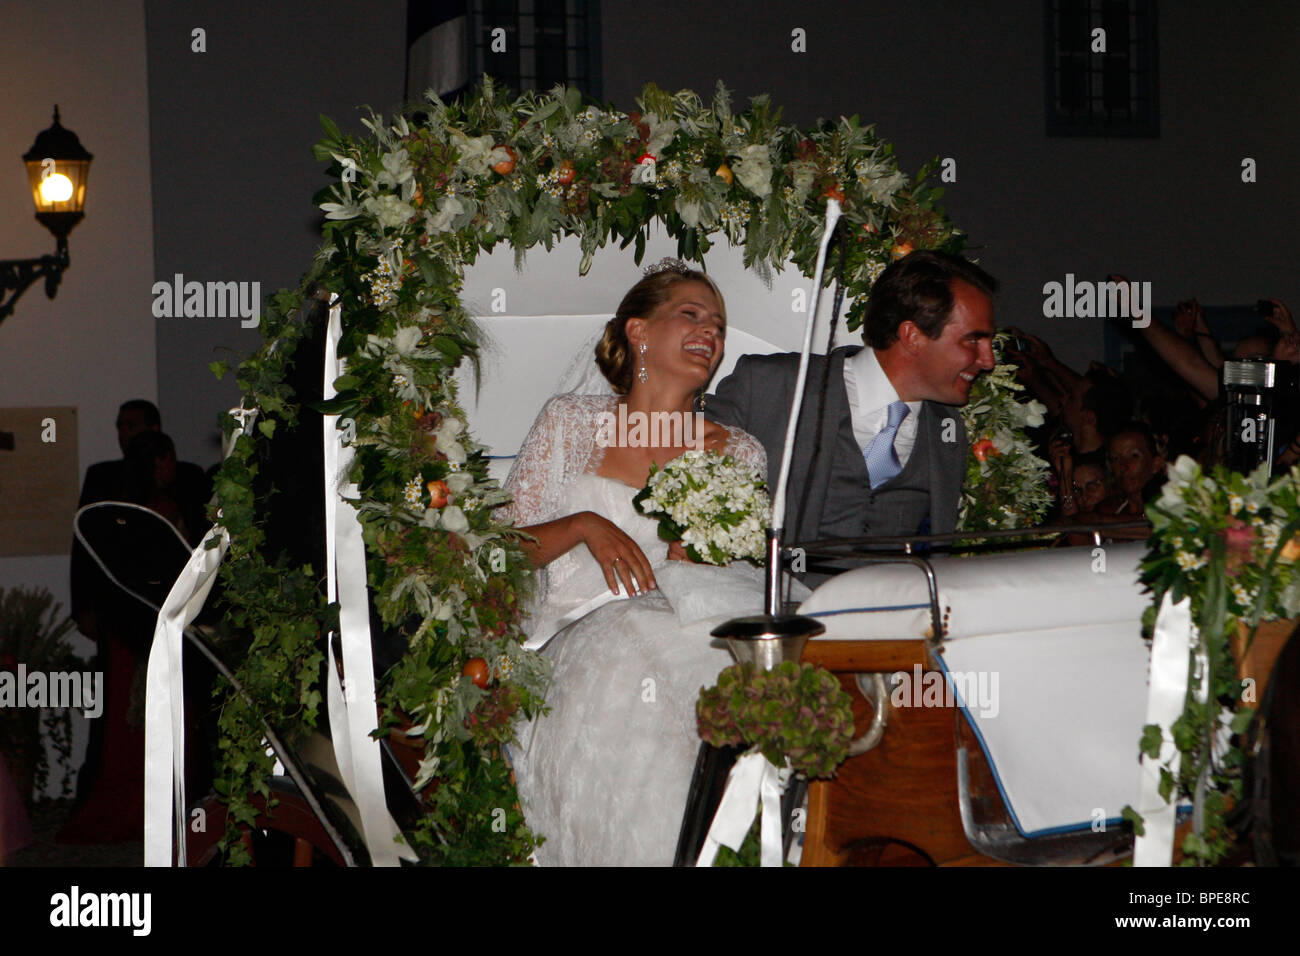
<point x="614" y="353"/>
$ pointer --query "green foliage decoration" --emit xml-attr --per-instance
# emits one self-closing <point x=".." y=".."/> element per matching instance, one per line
<point x="1230" y="543"/>
<point x="412" y="204"/>
<point x="795" y="712"/>
<point x="1005" y="484"/>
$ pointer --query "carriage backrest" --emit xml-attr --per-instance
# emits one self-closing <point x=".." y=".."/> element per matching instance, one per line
<point x="535" y="320"/>
<point x="522" y="359"/>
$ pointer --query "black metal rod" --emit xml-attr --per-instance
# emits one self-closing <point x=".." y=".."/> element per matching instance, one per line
<point x="18" y="275"/>
<point x="772" y="579"/>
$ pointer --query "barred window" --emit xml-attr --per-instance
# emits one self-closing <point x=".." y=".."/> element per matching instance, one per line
<point x="546" y="42"/>
<point x="1101" y="71"/>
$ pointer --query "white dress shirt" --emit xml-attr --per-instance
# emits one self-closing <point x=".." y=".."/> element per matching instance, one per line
<point x="870" y="394"/>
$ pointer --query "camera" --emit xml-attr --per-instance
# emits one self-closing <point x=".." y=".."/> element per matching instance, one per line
<point x="1258" y="393"/>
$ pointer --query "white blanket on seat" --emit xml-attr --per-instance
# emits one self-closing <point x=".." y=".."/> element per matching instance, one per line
<point x="1047" y="644"/>
<point x="985" y="594"/>
<point x="1061" y="727"/>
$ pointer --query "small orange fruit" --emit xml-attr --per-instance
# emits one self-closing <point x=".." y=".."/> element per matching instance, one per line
<point x="438" y="493"/>
<point x="476" y="669"/>
<point x="506" y="166"/>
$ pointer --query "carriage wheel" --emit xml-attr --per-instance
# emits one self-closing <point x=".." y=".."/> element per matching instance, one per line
<point x="288" y="836"/>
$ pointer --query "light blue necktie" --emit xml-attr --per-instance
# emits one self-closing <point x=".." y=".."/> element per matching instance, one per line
<point x="882" y="460"/>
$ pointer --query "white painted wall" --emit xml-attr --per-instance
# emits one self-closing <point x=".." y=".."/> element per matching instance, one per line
<point x="93" y="346"/>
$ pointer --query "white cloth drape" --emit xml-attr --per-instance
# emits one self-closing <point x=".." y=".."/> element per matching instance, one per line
<point x="352" y="708"/>
<point x="754" y="781"/>
<point x="164" y="713"/>
<point x="1167" y="696"/>
<point x="164" y="716"/>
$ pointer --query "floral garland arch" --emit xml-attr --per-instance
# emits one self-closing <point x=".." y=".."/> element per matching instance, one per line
<point x="412" y="205"/>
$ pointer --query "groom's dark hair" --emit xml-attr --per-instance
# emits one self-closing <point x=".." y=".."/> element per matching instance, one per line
<point x="918" y="287"/>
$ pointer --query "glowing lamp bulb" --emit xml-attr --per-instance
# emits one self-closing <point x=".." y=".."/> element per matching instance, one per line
<point x="56" y="188"/>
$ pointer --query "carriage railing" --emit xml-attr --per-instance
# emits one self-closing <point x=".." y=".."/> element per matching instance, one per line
<point x="835" y="555"/>
<point x="288" y="758"/>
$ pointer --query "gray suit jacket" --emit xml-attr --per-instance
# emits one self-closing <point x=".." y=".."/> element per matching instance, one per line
<point x="757" y="396"/>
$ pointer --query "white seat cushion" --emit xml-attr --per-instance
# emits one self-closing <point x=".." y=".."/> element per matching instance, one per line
<point x="984" y="594"/>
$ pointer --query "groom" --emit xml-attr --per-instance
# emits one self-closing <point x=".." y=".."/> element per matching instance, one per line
<point x="892" y="449"/>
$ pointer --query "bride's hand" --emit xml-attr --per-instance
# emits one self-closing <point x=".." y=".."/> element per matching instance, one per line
<point x="617" y="554"/>
<point x="676" y="552"/>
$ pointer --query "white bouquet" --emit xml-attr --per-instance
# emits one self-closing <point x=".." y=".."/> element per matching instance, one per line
<point x="714" y="505"/>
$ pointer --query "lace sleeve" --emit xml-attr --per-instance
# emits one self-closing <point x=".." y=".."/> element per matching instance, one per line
<point x="557" y="449"/>
<point x="743" y="446"/>
<point x="532" y="476"/>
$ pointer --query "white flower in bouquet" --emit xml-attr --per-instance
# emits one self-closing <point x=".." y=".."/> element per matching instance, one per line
<point x="475" y="153"/>
<point x="1030" y="414"/>
<point x="414" y="494"/>
<point x="445" y="439"/>
<point x="344" y="210"/>
<point x="449" y="207"/>
<point x="714" y="505"/>
<point x="646" y="172"/>
<point x="755" y="169"/>
<point x="397" y="170"/>
<point x="458" y="482"/>
<point x="454" y="520"/>
<point x="390" y="211"/>
<point x="662" y="132"/>
<point x="689" y="210"/>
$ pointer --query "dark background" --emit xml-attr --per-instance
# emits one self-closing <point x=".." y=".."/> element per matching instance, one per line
<point x="233" y="175"/>
<point x="221" y="190"/>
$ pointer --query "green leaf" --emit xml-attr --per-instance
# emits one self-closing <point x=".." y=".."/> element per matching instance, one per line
<point x="346" y="404"/>
<point x="1195" y="846"/>
<point x="1152" y="738"/>
<point x="346" y="383"/>
<point x="1166" y="789"/>
<point x="266" y="426"/>
<point x="447" y="347"/>
<point x="1242" y="720"/>
<point x="1135" y="818"/>
<point x="330" y="127"/>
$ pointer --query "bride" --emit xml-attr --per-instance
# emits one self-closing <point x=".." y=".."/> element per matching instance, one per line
<point x="624" y="617"/>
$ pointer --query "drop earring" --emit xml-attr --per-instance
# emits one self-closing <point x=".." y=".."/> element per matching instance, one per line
<point x="642" y="375"/>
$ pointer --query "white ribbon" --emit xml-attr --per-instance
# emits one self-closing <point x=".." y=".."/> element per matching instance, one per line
<point x="164" y="714"/>
<point x="245" y="418"/>
<point x="752" y="780"/>
<point x="353" y="711"/>
<point x="1166" y="698"/>
<point x="833" y="213"/>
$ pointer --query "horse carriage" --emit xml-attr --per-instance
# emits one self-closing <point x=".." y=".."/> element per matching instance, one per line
<point x="921" y="782"/>
<point x="998" y="697"/>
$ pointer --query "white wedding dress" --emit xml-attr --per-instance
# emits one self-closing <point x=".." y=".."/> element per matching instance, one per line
<point x="604" y="776"/>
